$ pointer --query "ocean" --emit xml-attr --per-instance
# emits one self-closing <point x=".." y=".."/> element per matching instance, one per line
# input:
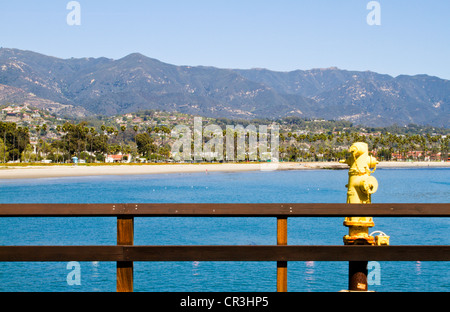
<point x="418" y="185"/>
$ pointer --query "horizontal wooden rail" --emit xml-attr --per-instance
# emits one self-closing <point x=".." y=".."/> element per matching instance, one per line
<point x="225" y="253"/>
<point x="125" y="253"/>
<point x="227" y="210"/>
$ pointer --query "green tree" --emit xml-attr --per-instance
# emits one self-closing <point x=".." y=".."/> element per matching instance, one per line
<point x="4" y="155"/>
<point x="145" y="144"/>
<point x="15" y="139"/>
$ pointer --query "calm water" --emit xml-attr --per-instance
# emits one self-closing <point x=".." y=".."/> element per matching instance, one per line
<point x="326" y="186"/>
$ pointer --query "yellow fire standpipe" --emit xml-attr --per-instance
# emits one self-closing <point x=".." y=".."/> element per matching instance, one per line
<point x="361" y="185"/>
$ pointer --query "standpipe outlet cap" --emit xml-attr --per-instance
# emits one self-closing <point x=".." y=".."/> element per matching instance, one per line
<point x="372" y="162"/>
<point x="369" y="185"/>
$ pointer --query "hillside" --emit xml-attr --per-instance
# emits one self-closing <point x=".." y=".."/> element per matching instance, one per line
<point x="91" y="86"/>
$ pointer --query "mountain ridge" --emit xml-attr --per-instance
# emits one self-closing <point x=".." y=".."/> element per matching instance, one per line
<point x="89" y="86"/>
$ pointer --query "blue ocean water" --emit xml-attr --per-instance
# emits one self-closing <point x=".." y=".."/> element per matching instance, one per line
<point x="303" y="186"/>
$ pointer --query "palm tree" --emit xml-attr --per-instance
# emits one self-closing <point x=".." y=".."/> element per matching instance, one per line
<point x="135" y="128"/>
<point x="165" y="130"/>
<point x="92" y="131"/>
<point x="103" y="128"/>
<point x="58" y="129"/>
<point x="38" y="131"/>
<point x="122" y="128"/>
<point x="3" y="129"/>
<point x="19" y="130"/>
<point x="26" y="131"/>
<point x="13" y="126"/>
<point x="41" y="143"/>
<point x="110" y="130"/>
<point x="85" y="134"/>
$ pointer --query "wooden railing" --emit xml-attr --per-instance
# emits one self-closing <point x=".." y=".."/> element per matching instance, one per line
<point x="124" y="253"/>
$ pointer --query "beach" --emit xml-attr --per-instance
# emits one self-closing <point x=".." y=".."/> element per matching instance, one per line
<point x="54" y="171"/>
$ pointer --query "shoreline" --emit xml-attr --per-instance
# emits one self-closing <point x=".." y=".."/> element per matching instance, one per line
<point x="55" y="171"/>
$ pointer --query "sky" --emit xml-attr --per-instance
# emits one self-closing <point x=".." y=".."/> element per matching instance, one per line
<point x="412" y="37"/>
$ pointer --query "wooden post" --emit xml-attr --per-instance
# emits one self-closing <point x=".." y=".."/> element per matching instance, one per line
<point x="282" y="265"/>
<point x="125" y="230"/>
<point x="357" y="275"/>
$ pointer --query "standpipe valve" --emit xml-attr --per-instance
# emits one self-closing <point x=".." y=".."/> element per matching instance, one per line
<point x="361" y="185"/>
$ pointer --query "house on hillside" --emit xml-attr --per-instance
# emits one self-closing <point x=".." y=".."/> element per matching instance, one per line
<point x="26" y="117"/>
<point x="7" y="110"/>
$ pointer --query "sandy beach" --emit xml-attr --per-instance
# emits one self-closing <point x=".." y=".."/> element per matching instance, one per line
<point x="53" y="171"/>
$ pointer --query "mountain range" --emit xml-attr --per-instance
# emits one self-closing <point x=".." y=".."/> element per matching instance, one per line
<point x="80" y="87"/>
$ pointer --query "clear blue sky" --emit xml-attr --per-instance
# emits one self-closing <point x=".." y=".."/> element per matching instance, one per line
<point x="282" y="35"/>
